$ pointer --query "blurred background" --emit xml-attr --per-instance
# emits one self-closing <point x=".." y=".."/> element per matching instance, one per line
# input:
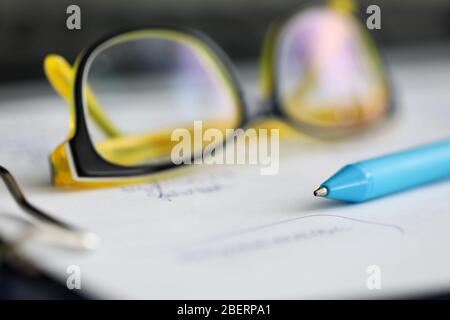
<point x="31" y="29"/>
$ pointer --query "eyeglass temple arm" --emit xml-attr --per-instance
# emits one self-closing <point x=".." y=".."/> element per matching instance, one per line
<point x="61" y="75"/>
<point x="74" y="237"/>
<point x="344" y="5"/>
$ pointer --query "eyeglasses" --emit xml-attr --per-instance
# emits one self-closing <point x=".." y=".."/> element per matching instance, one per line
<point x="321" y="74"/>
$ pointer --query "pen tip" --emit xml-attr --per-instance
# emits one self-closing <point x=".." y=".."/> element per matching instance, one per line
<point x="321" y="192"/>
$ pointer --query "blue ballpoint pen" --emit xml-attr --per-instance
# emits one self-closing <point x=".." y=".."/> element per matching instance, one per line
<point x="374" y="178"/>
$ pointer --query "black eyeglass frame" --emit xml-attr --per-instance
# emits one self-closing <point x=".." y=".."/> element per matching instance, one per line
<point x="89" y="163"/>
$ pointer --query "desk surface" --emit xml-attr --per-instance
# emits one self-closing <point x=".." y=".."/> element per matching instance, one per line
<point x="420" y="80"/>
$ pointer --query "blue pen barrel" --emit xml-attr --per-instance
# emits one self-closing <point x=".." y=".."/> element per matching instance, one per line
<point x="391" y="173"/>
<point x="408" y="169"/>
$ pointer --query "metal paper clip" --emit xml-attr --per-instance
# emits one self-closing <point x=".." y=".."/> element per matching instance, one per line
<point x="44" y="227"/>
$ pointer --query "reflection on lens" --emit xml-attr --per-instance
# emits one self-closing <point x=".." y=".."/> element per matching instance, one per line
<point x="328" y="73"/>
<point x="142" y="86"/>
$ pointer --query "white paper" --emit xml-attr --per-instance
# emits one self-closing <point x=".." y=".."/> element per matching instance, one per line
<point x="229" y="232"/>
